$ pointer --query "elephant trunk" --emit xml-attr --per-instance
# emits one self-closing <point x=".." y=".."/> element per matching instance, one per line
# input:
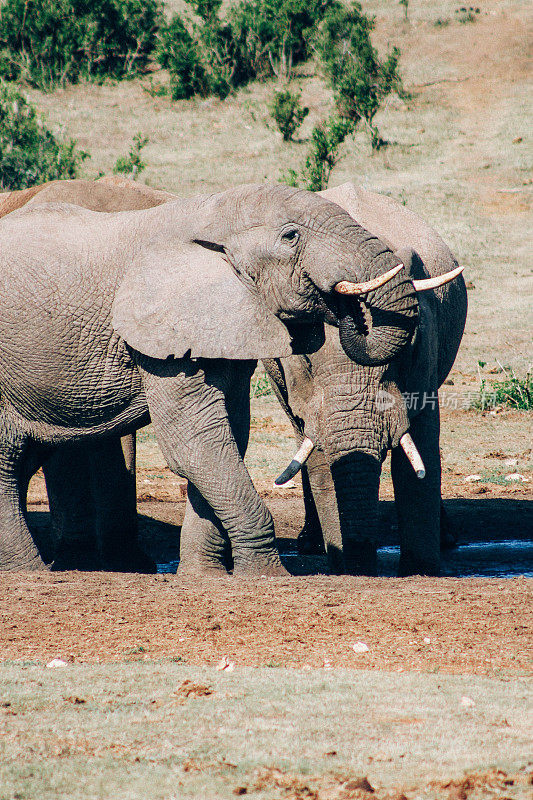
<point x="356" y="480"/>
<point x="393" y="311"/>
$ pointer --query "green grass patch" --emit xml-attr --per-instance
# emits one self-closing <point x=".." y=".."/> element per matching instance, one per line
<point x="260" y="385"/>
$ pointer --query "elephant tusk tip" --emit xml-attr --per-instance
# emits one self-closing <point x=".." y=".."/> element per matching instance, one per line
<point x="288" y="473"/>
<point x="439" y="280"/>
<point x="296" y="464"/>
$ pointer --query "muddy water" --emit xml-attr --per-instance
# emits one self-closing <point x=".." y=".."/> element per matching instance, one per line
<point x="504" y="559"/>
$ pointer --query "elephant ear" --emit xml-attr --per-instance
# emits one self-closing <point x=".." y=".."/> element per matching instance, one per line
<point x="184" y="298"/>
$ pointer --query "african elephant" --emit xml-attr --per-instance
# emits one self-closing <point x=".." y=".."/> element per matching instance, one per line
<point x="91" y="486"/>
<point x="355" y="413"/>
<point x="108" y="320"/>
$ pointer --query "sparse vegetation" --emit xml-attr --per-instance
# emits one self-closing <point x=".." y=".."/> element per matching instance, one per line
<point x="288" y="113"/>
<point x="360" y="81"/>
<point x="53" y="42"/>
<point x="31" y="153"/>
<point x="326" y="140"/>
<point x="260" y="385"/>
<point x="467" y="14"/>
<point x="513" y="392"/>
<point x="405" y="4"/>
<point x="132" y="164"/>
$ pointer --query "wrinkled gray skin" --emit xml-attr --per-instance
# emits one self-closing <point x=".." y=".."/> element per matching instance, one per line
<point x="91" y="486"/>
<point x="108" y="320"/>
<point x="341" y="406"/>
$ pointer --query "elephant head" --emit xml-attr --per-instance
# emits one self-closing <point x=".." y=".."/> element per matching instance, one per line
<point x="253" y="272"/>
<point x="356" y="412"/>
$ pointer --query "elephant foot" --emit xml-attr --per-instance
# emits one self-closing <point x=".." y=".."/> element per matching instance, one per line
<point x="310" y="541"/>
<point x="252" y="566"/>
<point x="202" y="569"/>
<point x="134" y="559"/>
<point x="24" y="564"/>
<point x="414" y="565"/>
<point x="361" y="559"/>
<point x="82" y="556"/>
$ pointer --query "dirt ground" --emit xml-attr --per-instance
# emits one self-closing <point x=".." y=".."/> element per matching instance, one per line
<point x="473" y="625"/>
<point x="422" y="624"/>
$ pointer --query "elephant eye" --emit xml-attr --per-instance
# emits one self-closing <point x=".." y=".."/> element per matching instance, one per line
<point x="290" y="236"/>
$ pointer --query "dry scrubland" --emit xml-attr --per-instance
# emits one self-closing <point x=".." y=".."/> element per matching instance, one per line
<point x="459" y="155"/>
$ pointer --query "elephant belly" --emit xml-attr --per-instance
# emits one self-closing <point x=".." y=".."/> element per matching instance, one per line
<point x="69" y="376"/>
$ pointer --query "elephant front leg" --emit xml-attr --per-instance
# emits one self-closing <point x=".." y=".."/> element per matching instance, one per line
<point x="204" y="544"/>
<point x="191" y="419"/>
<point x="310" y="538"/>
<point x="17" y="548"/>
<point x="418" y="501"/>
<point x="68" y="484"/>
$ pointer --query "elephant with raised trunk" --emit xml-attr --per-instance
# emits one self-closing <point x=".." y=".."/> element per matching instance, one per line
<point x="355" y="412"/>
<point x="110" y="319"/>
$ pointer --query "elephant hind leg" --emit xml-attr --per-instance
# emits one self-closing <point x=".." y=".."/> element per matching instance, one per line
<point x="18" y="551"/>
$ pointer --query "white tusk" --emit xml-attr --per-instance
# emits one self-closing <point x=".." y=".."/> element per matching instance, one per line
<point x="346" y="287"/>
<point x="304" y="451"/>
<point x="409" y="448"/>
<point x="439" y="280"/>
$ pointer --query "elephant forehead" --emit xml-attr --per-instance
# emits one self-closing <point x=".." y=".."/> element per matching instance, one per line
<point x="276" y="205"/>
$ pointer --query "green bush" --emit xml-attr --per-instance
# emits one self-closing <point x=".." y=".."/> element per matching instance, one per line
<point x="288" y="112"/>
<point x="359" y="78"/>
<point x="29" y="151"/>
<point x="52" y="42"/>
<point x="513" y="392"/>
<point x="326" y="140"/>
<point x="202" y="53"/>
<point x="132" y="164"/>
<point x="275" y="34"/>
<point x="179" y="53"/>
<point x="258" y="39"/>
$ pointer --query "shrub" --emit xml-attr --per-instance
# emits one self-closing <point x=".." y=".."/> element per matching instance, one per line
<point x="29" y="151"/>
<point x="326" y="140"/>
<point x="52" y="42"/>
<point x="467" y="14"/>
<point x="405" y="4"/>
<point x="359" y="78"/>
<point x="202" y="54"/>
<point x="514" y="392"/>
<point x="275" y="34"/>
<point x="179" y="53"/>
<point x="132" y="164"/>
<point x="288" y="112"/>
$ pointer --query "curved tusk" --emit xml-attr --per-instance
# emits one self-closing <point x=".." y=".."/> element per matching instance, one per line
<point x="346" y="287"/>
<point x="300" y="458"/>
<point x="409" y="448"/>
<point x="439" y="280"/>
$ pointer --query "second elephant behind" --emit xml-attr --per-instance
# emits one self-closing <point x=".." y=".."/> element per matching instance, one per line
<point x="354" y="414"/>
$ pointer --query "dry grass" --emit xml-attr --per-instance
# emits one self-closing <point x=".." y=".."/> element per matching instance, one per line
<point x="90" y="732"/>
